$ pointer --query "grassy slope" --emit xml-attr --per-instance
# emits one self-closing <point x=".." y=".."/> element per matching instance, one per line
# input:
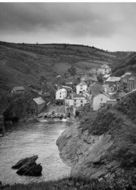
<point x="22" y="64"/>
<point x="127" y="64"/>
<point x="120" y="122"/>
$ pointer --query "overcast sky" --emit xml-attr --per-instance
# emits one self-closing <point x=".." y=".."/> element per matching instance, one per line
<point x="110" y="26"/>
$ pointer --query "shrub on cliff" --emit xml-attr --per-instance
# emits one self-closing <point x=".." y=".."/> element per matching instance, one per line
<point x="108" y="119"/>
<point x="127" y="106"/>
<point x="98" y="123"/>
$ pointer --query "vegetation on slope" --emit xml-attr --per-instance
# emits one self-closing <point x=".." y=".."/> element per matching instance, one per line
<point x="23" y="64"/>
<point x="118" y="122"/>
<point x="127" y="64"/>
<point x="71" y="183"/>
<point x="20" y="106"/>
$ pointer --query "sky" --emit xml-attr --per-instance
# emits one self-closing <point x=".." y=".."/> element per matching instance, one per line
<point x="109" y="26"/>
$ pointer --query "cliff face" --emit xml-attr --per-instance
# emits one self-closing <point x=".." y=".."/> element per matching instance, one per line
<point x="103" y="146"/>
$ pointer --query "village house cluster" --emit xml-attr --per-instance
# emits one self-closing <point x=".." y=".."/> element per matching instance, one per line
<point x="97" y="89"/>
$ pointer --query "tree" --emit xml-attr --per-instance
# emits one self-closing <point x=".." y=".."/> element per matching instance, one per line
<point x="100" y="78"/>
<point x="72" y="70"/>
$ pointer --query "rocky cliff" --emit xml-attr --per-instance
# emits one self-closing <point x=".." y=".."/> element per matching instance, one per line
<point x="104" y="146"/>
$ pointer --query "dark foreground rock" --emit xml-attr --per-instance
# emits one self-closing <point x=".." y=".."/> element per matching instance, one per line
<point x="21" y="162"/>
<point x="28" y="167"/>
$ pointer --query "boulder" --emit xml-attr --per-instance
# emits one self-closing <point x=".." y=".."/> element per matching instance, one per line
<point x="30" y="169"/>
<point x="21" y="162"/>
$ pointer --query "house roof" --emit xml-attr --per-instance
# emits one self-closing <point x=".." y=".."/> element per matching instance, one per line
<point x="82" y="83"/>
<point x="104" y="94"/>
<point x="78" y="96"/>
<point x="93" y="78"/>
<point x="62" y="89"/>
<point x="16" y="88"/>
<point x="132" y="78"/>
<point x="58" y="76"/>
<point x="113" y="79"/>
<point x="67" y="87"/>
<point x="69" y="82"/>
<point x="126" y="74"/>
<point x="112" y="100"/>
<point x="39" y="100"/>
<point x="106" y="76"/>
<point x="105" y="66"/>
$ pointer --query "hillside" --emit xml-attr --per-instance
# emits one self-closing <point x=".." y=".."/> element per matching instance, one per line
<point x="127" y="64"/>
<point x="23" y="64"/>
<point x="103" y="147"/>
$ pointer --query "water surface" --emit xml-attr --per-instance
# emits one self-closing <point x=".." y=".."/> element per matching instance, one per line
<point x="26" y="140"/>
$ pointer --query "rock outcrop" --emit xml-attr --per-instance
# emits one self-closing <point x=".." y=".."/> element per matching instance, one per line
<point x="103" y="147"/>
<point x="28" y="167"/>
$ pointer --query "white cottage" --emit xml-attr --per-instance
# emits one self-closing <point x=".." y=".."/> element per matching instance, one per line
<point x="69" y="102"/>
<point x="61" y="94"/>
<point x="76" y="101"/>
<point x="81" y="87"/>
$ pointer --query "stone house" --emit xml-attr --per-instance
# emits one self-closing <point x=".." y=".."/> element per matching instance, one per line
<point x="39" y="104"/>
<point x="73" y="104"/>
<point x="81" y="87"/>
<point x="79" y="101"/>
